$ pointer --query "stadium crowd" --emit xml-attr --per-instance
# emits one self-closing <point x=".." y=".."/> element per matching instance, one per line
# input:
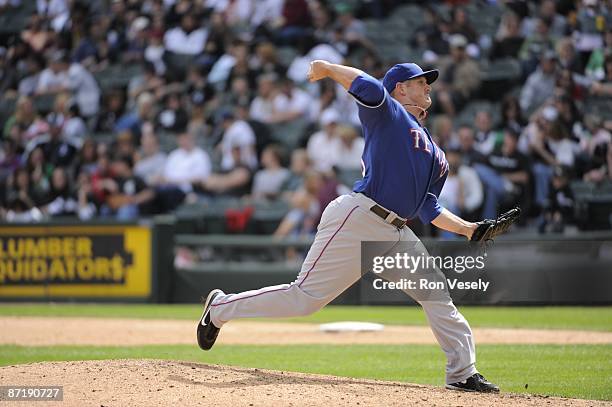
<point x="219" y="105"/>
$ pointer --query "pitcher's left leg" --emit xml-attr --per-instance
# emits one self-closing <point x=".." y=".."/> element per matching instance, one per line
<point x="455" y="337"/>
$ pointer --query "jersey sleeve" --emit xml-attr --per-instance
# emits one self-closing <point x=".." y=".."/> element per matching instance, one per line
<point x="372" y="98"/>
<point x="431" y="209"/>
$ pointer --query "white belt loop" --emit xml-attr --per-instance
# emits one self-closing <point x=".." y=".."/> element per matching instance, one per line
<point x="391" y="217"/>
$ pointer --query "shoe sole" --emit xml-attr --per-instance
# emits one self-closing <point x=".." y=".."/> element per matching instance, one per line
<point x="451" y="387"/>
<point x="209" y="298"/>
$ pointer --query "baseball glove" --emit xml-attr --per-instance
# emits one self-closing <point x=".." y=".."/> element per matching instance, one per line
<point x="488" y="229"/>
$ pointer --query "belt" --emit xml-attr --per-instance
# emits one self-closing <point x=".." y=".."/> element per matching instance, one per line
<point x="383" y="213"/>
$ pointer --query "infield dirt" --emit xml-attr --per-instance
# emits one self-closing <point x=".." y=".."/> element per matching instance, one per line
<point x="174" y="383"/>
<point x="49" y="331"/>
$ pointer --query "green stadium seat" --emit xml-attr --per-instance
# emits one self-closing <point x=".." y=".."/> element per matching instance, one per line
<point x="289" y="133"/>
<point x="349" y="177"/>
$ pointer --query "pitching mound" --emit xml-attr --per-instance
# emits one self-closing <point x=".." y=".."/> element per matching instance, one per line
<point x="166" y="383"/>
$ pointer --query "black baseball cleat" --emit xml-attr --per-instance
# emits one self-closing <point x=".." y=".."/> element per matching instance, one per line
<point x="207" y="331"/>
<point x="476" y="382"/>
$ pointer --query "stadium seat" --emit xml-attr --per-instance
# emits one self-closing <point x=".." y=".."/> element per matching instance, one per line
<point x="349" y="177"/>
<point x="289" y="133"/>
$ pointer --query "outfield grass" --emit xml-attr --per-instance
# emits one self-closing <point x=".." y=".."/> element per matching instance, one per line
<point x="586" y="318"/>
<point x="583" y="371"/>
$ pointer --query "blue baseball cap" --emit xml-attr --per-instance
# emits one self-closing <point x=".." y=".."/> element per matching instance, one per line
<point x="403" y="72"/>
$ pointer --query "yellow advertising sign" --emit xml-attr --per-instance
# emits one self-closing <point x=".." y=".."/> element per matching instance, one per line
<point x="75" y="261"/>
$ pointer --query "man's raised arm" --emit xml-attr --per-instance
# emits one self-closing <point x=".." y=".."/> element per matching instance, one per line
<point x="344" y="75"/>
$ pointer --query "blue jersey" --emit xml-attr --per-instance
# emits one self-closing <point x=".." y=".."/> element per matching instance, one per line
<point x="403" y="169"/>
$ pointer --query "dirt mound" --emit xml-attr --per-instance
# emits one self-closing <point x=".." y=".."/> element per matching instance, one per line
<point x="165" y="383"/>
<point x="40" y="331"/>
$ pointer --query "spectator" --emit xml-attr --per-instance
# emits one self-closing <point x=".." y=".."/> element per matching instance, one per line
<point x="324" y="145"/>
<point x="87" y="159"/>
<point x="17" y="125"/>
<point x="593" y="16"/>
<point x="150" y="161"/>
<point x="290" y="103"/>
<point x="305" y="208"/>
<point x="12" y="67"/>
<point x="154" y="53"/>
<point x="430" y="36"/>
<point x="240" y="92"/>
<point x="262" y="107"/>
<point x="505" y="176"/>
<point x="266" y="15"/>
<point x="56" y="11"/>
<point x="57" y="151"/>
<point x="350" y="149"/>
<point x="595" y="66"/>
<point x="63" y="76"/>
<point x="74" y="128"/>
<point x="548" y="12"/>
<point x="219" y="72"/>
<point x="187" y="38"/>
<point x="173" y="116"/>
<point x="595" y="142"/>
<point x="561" y="203"/>
<point x="234" y="12"/>
<point x="442" y="131"/>
<point x="508" y="40"/>
<point x="462" y="192"/>
<point x="326" y="100"/>
<point x="294" y="23"/>
<point x="40" y="172"/>
<point x="199" y="90"/>
<point x="460" y="24"/>
<point x="93" y="51"/>
<point x="268" y="181"/>
<point x="37" y="36"/>
<point x="129" y="196"/>
<point x="219" y="34"/>
<point x="299" y="165"/>
<point x="265" y="60"/>
<point x="567" y="56"/>
<point x="242" y="67"/>
<point x="113" y="106"/>
<point x="461" y="77"/>
<point x="511" y="115"/>
<point x="144" y="112"/>
<point x="569" y="116"/>
<point x="20" y="191"/>
<point x="467" y="142"/>
<point x="29" y="83"/>
<point x="94" y="186"/>
<point x="237" y="134"/>
<point x="234" y="181"/>
<point x="486" y="137"/>
<point x="540" y="85"/>
<point x="147" y="82"/>
<point x="9" y="159"/>
<point x="351" y="30"/>
<point x="550" y="146"/>
<point x="604" y="87"/>
<point x="186" y="165"/>
<point x="137" y="41"/>
<point x="321" y="22"/>
<point x="62" y="200"/>
<point x="535" y="45"/>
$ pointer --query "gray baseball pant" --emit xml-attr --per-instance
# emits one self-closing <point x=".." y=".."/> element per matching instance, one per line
<point x="332" y="265"/>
